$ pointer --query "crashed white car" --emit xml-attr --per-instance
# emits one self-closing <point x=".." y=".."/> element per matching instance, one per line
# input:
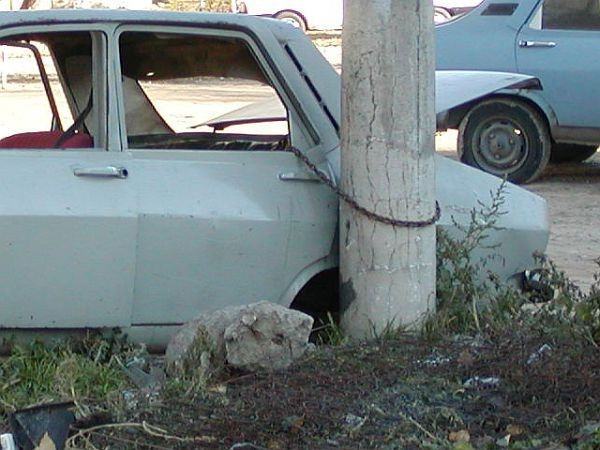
<point x="139" y="188"/>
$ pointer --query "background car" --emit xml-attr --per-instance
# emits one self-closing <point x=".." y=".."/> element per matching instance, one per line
<point x="305" y="14"/>
<point x="447" y="9"/>
<point x="515" y="133"/>
<point x="328" y="14"/>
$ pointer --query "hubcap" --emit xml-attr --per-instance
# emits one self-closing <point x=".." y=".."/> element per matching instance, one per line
<point x="500" y="146"/>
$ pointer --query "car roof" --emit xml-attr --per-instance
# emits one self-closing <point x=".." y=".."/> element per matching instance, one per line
<point x="62" y="16"/>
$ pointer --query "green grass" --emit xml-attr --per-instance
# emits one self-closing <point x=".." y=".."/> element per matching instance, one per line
<point x="86" y="373"/>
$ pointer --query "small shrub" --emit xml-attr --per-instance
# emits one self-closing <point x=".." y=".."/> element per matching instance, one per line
<point x="567" y="309"/>
<point x="466" y="301"/>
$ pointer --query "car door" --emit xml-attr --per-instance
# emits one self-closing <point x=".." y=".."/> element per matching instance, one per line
<point x="67" y="216"/>
<point x="559" y="45"/>
<point x="227" y="216"/>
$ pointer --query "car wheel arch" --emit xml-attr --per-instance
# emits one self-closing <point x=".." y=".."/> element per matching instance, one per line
<point x="293" y="11"/>
<point x="303" y="281"/>
<point x="456" y="115"/>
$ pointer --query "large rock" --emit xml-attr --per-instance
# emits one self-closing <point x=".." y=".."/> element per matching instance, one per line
<point x="252" y="337"/>
<point x="202" y="338"/>
<point x="266" y="336"/>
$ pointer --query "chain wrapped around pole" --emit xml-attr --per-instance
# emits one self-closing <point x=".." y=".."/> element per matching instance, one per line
<point x="361" y="209"/>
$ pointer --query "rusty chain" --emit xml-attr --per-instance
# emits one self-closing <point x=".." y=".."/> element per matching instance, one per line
<point x="361" y="209"/>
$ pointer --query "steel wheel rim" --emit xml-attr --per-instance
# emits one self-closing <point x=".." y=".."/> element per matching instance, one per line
<point x="500" y="146"/>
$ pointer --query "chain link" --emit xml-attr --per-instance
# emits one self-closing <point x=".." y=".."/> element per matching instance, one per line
<point x="361" y="209"/>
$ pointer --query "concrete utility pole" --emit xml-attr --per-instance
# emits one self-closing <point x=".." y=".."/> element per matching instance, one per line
<point x="388" y="136"/>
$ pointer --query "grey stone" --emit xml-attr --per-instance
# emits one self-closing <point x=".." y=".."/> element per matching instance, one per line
<point x="267" y="336"/>
<point x="258" y="336"/>
<point x="200" y="340"/>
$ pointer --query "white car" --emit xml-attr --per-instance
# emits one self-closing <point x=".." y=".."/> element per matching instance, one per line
<point x="305" y="14"/>
<point x="447" y="9"/>
<point x="139" y="188"/>
<point x="328" y="14"/>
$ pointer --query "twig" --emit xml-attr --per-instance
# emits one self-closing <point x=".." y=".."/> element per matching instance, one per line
<point x="419" y="426"/>
<point x="129" y="441"/>
<point x="233" y="380"/>
<point x="146" y="427"/>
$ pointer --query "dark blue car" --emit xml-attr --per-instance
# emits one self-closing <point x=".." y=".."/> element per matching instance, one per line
<point x="515" y="133"/>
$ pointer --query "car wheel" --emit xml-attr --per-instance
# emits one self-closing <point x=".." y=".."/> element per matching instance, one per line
<point x="441" y="15"/>
<point x="291" y="17"/>
<point x="563" y="153"/>
<point x="507" y="138"/>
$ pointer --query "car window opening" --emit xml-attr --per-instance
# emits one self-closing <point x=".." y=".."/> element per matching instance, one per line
<point x="42" y="103"/>
<point x="193" y="92"/>
<point x="571" y="15"/>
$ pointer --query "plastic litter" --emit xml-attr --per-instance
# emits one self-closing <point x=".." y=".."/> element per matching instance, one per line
<point x="43" y="426"/>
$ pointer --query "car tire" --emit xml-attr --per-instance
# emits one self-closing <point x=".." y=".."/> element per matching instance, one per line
<point x="565" y="153"/>
<point x="294" y="18"/>
<point x="505" y="137"/>
<point x="441" y="15"/>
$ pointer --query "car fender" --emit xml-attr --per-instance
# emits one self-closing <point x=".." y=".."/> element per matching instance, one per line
<point x="454" y="116"/>
<point x="535" y="98"/>
<point x="458" y="90"/>
<point x="304" y="277"/>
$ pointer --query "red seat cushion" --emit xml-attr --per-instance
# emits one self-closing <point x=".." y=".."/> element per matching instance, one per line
<point x="46" y="140"/>
<point x="79" y="140"/>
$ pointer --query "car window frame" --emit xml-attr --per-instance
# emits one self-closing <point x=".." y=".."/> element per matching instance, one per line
<point x="100" y="43"/>
<point x="296" y="123"/>
<point x="536" y="22"/>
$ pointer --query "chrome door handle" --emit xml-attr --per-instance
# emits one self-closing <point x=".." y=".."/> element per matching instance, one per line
<point x="298" y="176"/>
<point x="101" y="172"/>
<point x="537" y="44"/>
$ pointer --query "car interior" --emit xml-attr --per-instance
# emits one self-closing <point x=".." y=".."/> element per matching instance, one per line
<point x="70" y="55"/>
<point x="211" y="72"/>
<point x="214" y="71"/>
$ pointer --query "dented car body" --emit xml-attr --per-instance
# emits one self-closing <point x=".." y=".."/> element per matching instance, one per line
<point x="139" y="208"/>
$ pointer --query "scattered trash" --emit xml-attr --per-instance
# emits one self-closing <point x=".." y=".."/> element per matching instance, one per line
<point x="539" y="354"/>
<point x="503" y="441"/>
<point x="353" y="424"/>
<point x="434" y="361"/>
<point x="44" y="427"/>
<point x="482" y="383"/>
<point x="537" y="282"/>
<point x="7" y="442"/>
